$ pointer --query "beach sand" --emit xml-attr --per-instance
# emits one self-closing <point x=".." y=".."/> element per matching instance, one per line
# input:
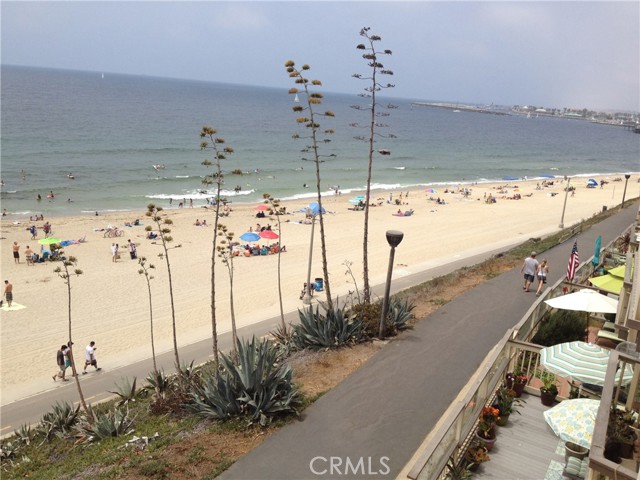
<point x="110" y="300"/>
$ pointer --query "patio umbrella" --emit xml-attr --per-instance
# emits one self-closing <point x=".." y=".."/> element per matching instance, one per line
<point x="250" y="237"/>
<point x="581" y="361"/>
<point x="620" y="271"/>
<point x="49" y="241"/>
<point x="596" y="253"/>
<point x="584" y="300"/>
<point x="609" y="283"/>
<point x="268" y="234"/>
<point x="262" y="207"/>
<point x="573" y="420"/>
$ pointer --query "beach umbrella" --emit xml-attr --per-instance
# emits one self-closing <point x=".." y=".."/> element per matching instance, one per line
<point x="581" y="361"/>
<point x="431" y="190"/>
<point x="593" y="182"/>
<point x="314" y="208"/>
<point x="49" y="241"/>
<point x="358" y="199"/>
<point x="573" y="420"/>
<point x="584" y="300"/>
<point x="250" y="237"/>
<point x="596" y="253"/>
<point x="262" y="207"/>
<point x="268" y="234"/>
<point x="609" y="283"/>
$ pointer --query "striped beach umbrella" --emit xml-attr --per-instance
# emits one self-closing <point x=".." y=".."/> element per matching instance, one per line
<point x="581" y="361"/>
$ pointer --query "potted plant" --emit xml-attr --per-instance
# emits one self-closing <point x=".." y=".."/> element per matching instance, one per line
<point x="476" y="454"/>
<point x="549" y="388"/>
<point x="507" y="403"/>
<point x="620" y="435"/>
<point x="487" y="426"/>
<point x="516" y="381"/>
<point x="457" y="471"/>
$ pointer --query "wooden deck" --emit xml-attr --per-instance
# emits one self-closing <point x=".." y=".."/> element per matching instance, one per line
<point x="526" y="449"/>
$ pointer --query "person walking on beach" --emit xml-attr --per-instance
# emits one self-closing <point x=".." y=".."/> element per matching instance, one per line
<point x="33" y="231"/>
<point x="543" y="271"/>
<point x="62" y="357"/>
<point x="529" y="269"/>
<point x="16" y="252"/>
<point x="114" y="252"/>
<point x="132" y="250"/>
<point x="8" y="292"/>
<point x="90" y="357"/>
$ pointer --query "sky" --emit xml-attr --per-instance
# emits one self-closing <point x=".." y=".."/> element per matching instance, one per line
<point x="545" y="54"/>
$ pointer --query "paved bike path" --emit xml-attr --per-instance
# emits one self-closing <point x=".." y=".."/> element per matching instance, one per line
<point x="376" y="418"/>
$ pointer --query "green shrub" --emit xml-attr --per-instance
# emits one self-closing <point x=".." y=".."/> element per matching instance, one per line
<point x="334" y="330"/>
<point x="561" y="327"/>
<point x="257" y="386"/>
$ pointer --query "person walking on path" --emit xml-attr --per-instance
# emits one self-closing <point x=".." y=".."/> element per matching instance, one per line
<point x="16" y="252"/>
<point x="114" y="252"/>
<point x="132" y="250"/>
<point x="62" y="358"/>
<point x="543" y="272"/>
<point x="529" y="268"/>
<point x="90" y="357"/>
<point x="8" y="292"/>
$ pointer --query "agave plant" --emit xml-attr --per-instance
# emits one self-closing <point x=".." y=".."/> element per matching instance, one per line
<point x="400" y="312"/>
<point x="109" y="424"/>
<point x="127" y="392"/>
<point x="60" y="420"/>
<point x="159" y="382"/>
<point x="24" y="434"/>
<point x="256" y="385"/>
<point x="317" y="331"/>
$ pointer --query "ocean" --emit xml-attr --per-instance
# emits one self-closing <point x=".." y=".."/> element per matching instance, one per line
<point x="109" y="130"/>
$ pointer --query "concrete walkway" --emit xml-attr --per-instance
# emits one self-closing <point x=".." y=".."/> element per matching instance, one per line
<point x="375" y="419"/>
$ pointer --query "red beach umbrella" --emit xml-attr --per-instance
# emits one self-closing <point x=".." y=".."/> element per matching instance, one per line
<point x="268" y="234"/>
<point x="262" y="207"/>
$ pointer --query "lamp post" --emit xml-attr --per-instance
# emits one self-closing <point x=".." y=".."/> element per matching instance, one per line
<point x="564" y="206"/>
<point x="394" y="237"/>
<point x="624" y="192"/>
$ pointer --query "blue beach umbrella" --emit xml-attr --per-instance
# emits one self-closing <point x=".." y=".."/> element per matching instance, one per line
<point x="593" y="182"/>
<point x="315" y="208"/>
<point x="250" y="237"/>
<point x="358" y="199"/>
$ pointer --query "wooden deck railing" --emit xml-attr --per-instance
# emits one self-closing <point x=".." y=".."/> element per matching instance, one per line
<point x="457" y="427"/>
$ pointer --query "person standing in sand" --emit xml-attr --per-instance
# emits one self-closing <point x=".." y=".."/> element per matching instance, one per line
<point x="114" y="252"/>
<point x="8" y="292"/>
<point x="132" y="250"/>
<point x="28" y="255"/>
<point x="529" y="269"/>
<point x="16" y="252"/>
<point x="543" y="271"/>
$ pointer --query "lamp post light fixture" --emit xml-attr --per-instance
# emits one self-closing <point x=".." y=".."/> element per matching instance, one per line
<point x="564" y="205"/>
<point x="624" y="192"/>
<point x="394" y="237"/>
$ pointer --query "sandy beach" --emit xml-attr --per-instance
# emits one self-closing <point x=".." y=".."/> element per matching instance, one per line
<point x="110" y="301"/>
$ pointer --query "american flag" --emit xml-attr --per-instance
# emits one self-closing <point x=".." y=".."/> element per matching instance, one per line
<point x="574" y="261"/>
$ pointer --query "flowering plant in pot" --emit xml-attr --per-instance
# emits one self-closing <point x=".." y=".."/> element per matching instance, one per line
<point x="507" y="402"/>
<point x="516" y="381"/>
<point x="487" y="426"/>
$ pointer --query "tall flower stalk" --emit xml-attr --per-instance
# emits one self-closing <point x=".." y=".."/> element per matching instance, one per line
<point x="225" y="252"/>
<point x="316" y="136"/>
<point x="277" y="211"/>
<point x="144" y="270"/>
<point x="217" y="146"/>
<point x="372" y="57"/>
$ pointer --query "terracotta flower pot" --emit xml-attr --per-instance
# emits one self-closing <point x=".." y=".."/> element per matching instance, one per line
<point x="489" y="441"/>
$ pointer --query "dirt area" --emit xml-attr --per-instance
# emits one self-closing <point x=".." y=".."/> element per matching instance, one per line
<point x="204" y="453"/>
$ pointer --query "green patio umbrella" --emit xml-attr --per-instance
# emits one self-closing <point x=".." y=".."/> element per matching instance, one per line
<point x="581" y="361"/>
<point x="49" y="241"/>
<point x="608" y="283"/>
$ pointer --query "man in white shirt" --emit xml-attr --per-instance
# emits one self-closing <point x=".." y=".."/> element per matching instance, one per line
<point x="529" y="269"/>
<point x="90" y="357"/>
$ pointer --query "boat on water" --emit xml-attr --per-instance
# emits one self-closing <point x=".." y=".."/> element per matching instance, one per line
<point x="158" y="166"/>
<point x="456" y="111"/>
<point x="296" y="99"/>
